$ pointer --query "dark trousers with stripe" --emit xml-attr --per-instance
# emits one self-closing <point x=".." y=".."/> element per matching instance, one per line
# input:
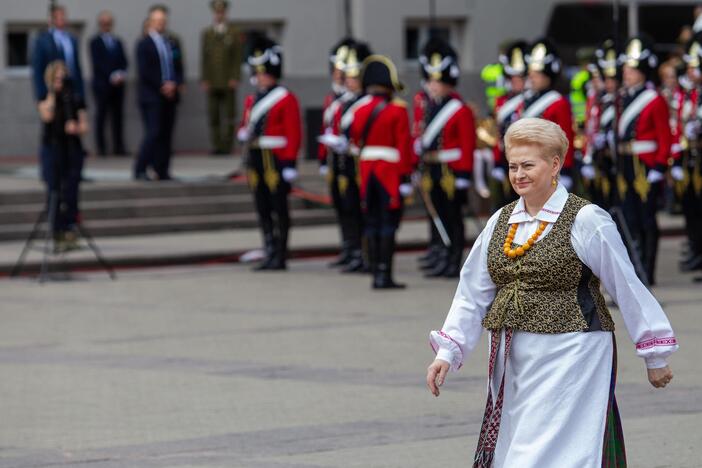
<point x="270" y="193"/>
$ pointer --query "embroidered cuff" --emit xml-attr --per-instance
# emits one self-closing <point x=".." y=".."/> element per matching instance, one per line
<point x="446" y="348"/>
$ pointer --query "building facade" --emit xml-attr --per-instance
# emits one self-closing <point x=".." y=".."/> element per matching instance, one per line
<point x="305" y="28"/>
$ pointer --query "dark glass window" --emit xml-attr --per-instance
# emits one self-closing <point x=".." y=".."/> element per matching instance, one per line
<point x="412" y="42"/>
<point x="664" y="23"/>
<point x="575" y="26"/>
<point x="17" y="49"/>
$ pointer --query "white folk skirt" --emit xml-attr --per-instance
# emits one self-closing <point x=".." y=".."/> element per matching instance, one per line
<point x="558" y="401"/>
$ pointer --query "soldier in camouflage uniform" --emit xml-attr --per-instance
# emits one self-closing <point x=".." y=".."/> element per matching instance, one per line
<point x="221" y="68"/>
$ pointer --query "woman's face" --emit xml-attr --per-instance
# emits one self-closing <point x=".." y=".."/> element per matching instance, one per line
<point x="529" y="172"/>
<point x="59" y="76"/>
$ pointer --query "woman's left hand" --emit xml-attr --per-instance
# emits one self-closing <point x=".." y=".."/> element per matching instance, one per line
<point x="659" y="378"/>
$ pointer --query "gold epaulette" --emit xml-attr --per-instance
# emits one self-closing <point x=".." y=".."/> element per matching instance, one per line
<point x="399" y="102"/>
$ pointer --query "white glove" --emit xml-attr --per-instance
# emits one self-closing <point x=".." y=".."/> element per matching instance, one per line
<point x="462" y="184"/>
<point x="692" y="129"/>
<point x="588" y="172"/>
<point x="654" y="176"/>
<point x="600" y="141"/>
<point x="243" y="134"/>
<point x="340" y="145"/>
<point x="498" y="174"/>
<point x="289" y="174"/>
<point x="405" y="190"/>
<point x="323" y="170"/>
<point x="567" y="181"/>
<point x="418" y="147"/>
<point x="677" y="173"/>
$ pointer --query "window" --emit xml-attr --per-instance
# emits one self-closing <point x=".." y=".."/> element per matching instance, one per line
<point x="19" y="38"/>
<point x="417" y="34"/>
<point x="583" y="25"/>
<point x="664" y="23"/>
<point x="251" y="30"/>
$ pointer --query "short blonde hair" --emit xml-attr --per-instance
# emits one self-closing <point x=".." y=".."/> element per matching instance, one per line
<point x="532" y="131"/>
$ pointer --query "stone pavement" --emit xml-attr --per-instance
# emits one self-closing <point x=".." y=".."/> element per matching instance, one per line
<point x="219" y="367"/>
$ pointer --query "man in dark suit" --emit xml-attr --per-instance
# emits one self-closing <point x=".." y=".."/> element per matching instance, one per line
<point x="56" y="44"/>
<point x="109" y="73"/>
<point x="160" y="70"/>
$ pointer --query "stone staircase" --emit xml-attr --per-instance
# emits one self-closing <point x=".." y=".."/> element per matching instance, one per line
<point x="133" y="208"/>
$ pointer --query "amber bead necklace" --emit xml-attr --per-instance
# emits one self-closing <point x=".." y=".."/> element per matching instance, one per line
<point x="521" y="250"/>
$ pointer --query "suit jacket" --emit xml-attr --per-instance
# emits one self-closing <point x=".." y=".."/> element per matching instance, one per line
<point x="45" y="51"/>
<point x="150" y="77"/>
<point x="105" y="62"/>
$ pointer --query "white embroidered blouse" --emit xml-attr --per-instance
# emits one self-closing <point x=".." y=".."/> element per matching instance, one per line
<point x="597" y="243"/>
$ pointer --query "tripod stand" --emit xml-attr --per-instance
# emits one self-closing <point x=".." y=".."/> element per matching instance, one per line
<point x="49" y="215"/>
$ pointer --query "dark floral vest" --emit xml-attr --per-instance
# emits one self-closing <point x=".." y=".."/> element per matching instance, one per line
<point x="548" y="290"/>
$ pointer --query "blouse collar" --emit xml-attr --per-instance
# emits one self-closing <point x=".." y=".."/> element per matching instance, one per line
<point x="549" y="213"/>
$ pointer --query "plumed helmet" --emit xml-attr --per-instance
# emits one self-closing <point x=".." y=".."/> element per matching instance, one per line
<point x="265" y="56"/>
<point x="693" y="52"/>
<point x="606" y="60"/>
<point x="379" y="70"/>
<point x="439" y="61"/>
<point x="339" y="53"/>
<point x="639" y="54"/>
<point x="543" y="57"/>
<point x="358" y="52"/>
<point x="513" y="59"/>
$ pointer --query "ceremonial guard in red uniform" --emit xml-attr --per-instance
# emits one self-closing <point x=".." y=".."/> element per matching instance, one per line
<point x="327" y="158"/>
<point x="378" y="130"/>
<point x="340" y="166"/>
<point x="644" y="148"/>
<point x="542" y="100"/>
<point x="446" y="148"/>
<point x="687" y="171"/>
<point x="271" y="130"/>
<point x="508" y="108"/>
<point x="599" y="170"/>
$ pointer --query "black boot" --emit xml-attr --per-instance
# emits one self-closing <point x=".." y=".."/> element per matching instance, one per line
<point x="431" y="257"/>
<point x="280" y="258"/>
<point x="453" y="269"/>
<point x="269" y="246"/>
<point x="382" y="279"/>
<point x="346" y="244"/>
<point x="440" y="266"/>
<point x="356" y="264"/>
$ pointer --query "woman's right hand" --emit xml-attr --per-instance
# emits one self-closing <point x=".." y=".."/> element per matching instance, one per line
<point x="71" y="127"/>
<point x="436" y="374"/>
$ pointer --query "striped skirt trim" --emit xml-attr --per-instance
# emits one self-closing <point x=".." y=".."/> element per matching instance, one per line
<point x="613" y="450"/>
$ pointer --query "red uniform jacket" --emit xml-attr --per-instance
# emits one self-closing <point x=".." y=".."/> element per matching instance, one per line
<point x="386" y="152"/>
<point x="504" y="116"/>
<point x="419" y="106"/>
<point x="557" y="111"/>
<point x="675" y="99"/>
<point x="644" y="123"/>
<point x="455" y="140"/>
<point x="279" y="129"/>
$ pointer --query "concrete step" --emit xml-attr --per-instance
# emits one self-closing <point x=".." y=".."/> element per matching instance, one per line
<point x="144" y="208"/>
<point x="134" y="191"/>
<point x="172" y="224"/>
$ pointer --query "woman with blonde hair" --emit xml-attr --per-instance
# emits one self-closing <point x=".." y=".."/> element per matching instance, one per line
<point x="532" y="279"/>
<point x="65" y="121"/>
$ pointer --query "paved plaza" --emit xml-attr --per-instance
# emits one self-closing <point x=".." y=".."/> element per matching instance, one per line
<point x="215" y="366"/>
